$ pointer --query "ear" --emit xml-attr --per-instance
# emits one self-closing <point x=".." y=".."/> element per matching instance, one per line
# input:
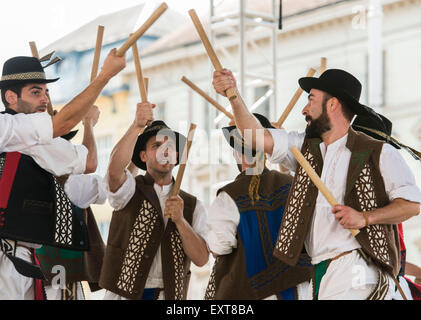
<point x="11" y="97"/>
<point x="334" y="104"/>
<point x="143" y="156"/>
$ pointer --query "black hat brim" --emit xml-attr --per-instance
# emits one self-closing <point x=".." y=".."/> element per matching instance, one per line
<point x="10" y="83"/>
<point x="144" y="138"/>
<point x="230" y="135"/>
<point x="70" y="135"/>
<point x="309" y="83"/>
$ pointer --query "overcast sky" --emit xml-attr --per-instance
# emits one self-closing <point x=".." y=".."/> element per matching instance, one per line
<point x="45" y="21"/>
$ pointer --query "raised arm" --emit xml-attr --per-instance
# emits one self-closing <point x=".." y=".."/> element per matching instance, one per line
<point x="244" y="119"/>
<point x="122" y="153"/>
<point x="89" y="122"/>
<point x="73" y="112"/>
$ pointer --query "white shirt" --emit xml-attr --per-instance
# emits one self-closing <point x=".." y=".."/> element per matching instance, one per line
<point x="24" y="130"/>
<point x="121" y="198"/>
<point x="59" y="157"/>
<point x="326" y="237"/>
<point x="85" y="189"/>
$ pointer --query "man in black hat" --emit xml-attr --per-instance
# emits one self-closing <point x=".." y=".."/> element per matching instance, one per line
<point x="153" y="235"/>
<point x="243" y="223"/>
<point x="23" y="130"/>
<point x="34" y="208"/>
<point x="382" y="130"/>
<point x="370" y="178"/>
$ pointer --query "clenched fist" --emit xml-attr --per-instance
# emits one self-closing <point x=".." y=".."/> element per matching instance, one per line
<point x="144" y="114"/>
<point x="223" y="80"/>
<point x="174" y="208"/>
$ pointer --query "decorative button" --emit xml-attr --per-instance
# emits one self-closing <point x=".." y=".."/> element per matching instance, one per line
<point x="297" y="237"/>
<point x="308" y="204"/>
<point x="302" y="221"/>
<point x="291" y="255"/>
<point x="82" y="243"/>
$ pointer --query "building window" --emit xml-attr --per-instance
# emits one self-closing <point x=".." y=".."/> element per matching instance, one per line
<point x="104" y="147"/>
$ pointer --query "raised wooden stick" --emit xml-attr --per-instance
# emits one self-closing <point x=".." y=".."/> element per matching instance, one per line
<point x="207" y="97"/>
<point x="140" y="78"/>
<point x="293" y="101"/>
<point x="317" y="181"/>
<point x="210" y="51"/>
<point x="97" y="54"/>
<point x="183" y="161"/>
<point x="146" y="82"/>
<point x="148" y="23"/>
<point x="323" y="65"/>
<point x="139" y="73"/>
<point x="34" y="49"/>
<point x="35" y="54"/>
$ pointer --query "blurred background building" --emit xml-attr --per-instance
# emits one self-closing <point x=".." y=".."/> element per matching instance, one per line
<point x="377" y="41"/>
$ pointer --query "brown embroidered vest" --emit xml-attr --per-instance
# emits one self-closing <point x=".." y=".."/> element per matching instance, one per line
<point x="251" y="272"/>
<point x="365" y="191"/>
<point x="79" y="266"/>
<point x="136" y="232"/>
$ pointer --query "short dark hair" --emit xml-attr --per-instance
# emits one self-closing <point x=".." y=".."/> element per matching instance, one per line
<point x="346" y="110"/>
<point x="17" y="88"/>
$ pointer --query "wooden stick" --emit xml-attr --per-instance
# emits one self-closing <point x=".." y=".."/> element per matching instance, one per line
<point x="146" y="82"/>
<point x="293" y="101"/>
<point x="317" y="181"/>
<point x="183" y="161"/>
<point x="323" y="65"/>
<point x="35" y="54"/>
<point x="97" y="54"/>
<point x="210" y="51"/>
<point x="207" y="97"/>
<point x="139" y="73"/>
<point x="140" y="79"/>
<point x="34" y="49"/>
<point x="133" y="38"/>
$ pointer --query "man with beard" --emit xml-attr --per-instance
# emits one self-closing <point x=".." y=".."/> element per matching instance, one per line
<point x="370" y="178"/>
<point x="153" y="236"/>
<point x="34" y="208"/>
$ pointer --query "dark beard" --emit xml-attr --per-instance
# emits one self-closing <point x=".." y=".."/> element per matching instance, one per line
<point x="320" y="125"/>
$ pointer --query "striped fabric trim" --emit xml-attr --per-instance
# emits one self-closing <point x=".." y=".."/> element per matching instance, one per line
<point x="25" y="76"/>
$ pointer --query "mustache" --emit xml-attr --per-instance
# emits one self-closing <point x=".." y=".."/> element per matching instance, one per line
<point x="42" y="106"/>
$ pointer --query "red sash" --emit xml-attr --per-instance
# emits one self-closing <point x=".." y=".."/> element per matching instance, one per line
<point x="6" y="181"/>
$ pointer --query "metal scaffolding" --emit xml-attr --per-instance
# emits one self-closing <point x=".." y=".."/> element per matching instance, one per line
<point x="246" y="26"/>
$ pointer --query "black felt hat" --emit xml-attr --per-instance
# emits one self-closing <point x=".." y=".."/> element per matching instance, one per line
<point x="374" y="128"/>
<point x="341" y="85"/>
<point x="382" y="131"/>
<point x="234" y="138"/>
<point x="20" y="70"/>
<point x="151" y="131"/>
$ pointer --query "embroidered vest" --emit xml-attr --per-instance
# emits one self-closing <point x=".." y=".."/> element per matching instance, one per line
<point x="136" y="232"/>
<point x="38" y="210"/>
<point x="365" y="191"/>
<point x="251" y="272"/>
<point x="79" y="266"/>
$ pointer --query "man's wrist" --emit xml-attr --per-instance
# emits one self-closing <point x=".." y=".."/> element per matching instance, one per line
<point x="366" y="218"/>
